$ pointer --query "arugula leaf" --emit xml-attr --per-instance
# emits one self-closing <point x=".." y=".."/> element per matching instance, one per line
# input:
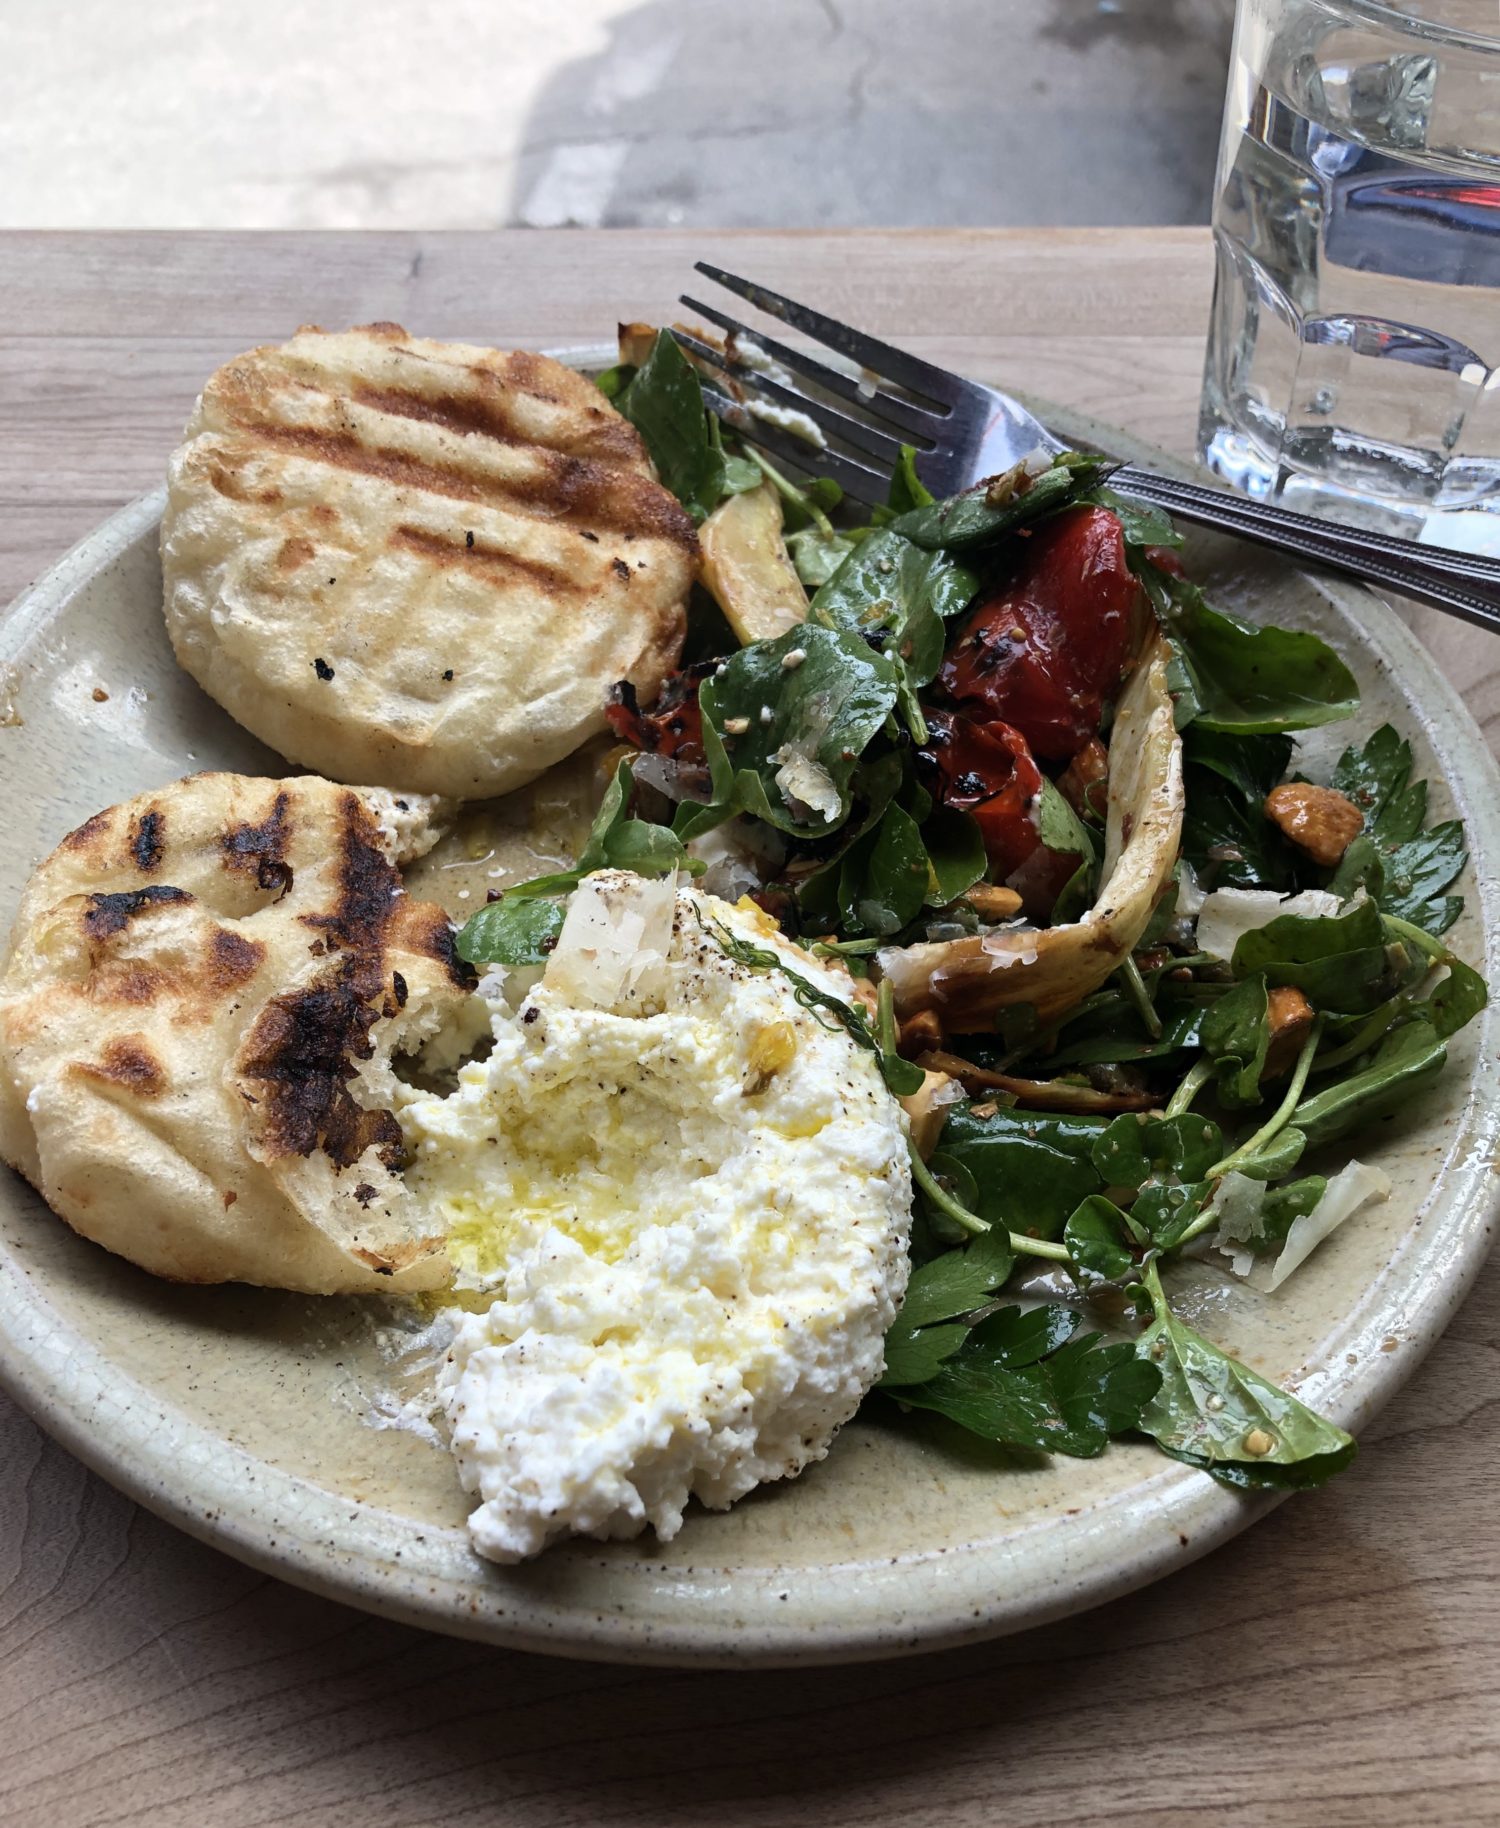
<point x="814" y="544"/>
<point x="619" y="843"/>
<point x="817" y="552"/>
<point x="1133" y="1150"/>
<point x="823" y="712"/>
<point x="1061" y="830"/>
<point x="953" y="1284"/>
<point x="1098" y="1236"/>
<point x="1070" y="1401"/>
<point x="664" y="402"/>
<point x="1028" y="1167"/>
<point x="1338" y="961"/>
<point x="1236" y="1034"/>
<point x="896" y="595"/>
<point x="613" y="381"/>
<point x="1226" y="835"/>
<point x="1115" y="1036"/>
<point x="511" y="931"/>
<point x="908" y="491"/>
<point x="1254" y="1476"/>
<point x="1406" y="1060"/>
<point x="1461" y="994"/>
<point x="1142" y="524"/>
<point x="1227" y="1417"/>
<point x="955" y="854"/>
<point x="883" y="891"/>
<point x="1276" y="1158"/>
<point x="521" y="928"/>
<point x="1249" y="679"/>
<point x="874" y="784"/>
<point x="997" y="505"/>
<point x="900" y="594"/>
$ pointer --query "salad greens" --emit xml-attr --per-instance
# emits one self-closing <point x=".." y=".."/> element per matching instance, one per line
<point x="1100" y="1144"/>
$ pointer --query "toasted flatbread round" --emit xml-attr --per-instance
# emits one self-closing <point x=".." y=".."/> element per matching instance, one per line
<point x="203" y="994"/>
<point x="418" y="564"/>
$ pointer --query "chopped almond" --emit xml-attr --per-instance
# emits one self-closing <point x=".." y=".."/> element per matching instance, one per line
<point x="1289" y="1017"/>
<point x="990" y="902"/>
<point x="1319" y="820"/>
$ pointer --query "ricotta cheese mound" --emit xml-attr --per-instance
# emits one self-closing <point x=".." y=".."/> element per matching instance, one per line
<point x="678" y="1204"/>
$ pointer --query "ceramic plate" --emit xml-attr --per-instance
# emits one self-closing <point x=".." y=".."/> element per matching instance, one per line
<point x="252" y="1419"/>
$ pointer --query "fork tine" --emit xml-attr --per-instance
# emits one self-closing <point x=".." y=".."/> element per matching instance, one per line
<point x="880" y="358"/>
<point x="916" y="422"/>
<point x="864" y="485"/>
<point x="853" y="431"/>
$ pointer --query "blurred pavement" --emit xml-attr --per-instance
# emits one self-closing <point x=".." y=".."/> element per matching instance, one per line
<point x="479" y="113"/>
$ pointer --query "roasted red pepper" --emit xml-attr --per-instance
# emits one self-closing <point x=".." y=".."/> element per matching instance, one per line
<point x="988" y="770"/>
<point x="672" y="726"/>
<point x="1047" y="647"/>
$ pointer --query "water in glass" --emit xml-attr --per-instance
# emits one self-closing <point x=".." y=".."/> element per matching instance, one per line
<point x="1354" y="352"/>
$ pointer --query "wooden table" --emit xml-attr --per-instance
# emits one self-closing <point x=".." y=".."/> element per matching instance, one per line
<point x="1336" y="1665"/>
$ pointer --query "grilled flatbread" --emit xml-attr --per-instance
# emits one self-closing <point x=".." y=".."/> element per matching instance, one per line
<point x="204" y="991"/>
<point x="418" y="564"/>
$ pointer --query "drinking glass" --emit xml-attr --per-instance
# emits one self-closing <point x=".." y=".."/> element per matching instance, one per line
<point x="1353" y="362"/>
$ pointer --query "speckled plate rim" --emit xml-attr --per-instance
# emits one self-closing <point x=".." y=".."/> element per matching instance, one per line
<point x="733" y="1616"/>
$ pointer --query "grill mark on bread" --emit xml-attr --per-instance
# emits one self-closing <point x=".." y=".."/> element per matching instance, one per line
<point x="484" y="413"/>
<point x="85" y="835"/>
<point x="467" y="552"/>
<point x="452" y="411"/>
<point x="302" y="1050"/>
<point x="260" y="850"/>
<point x="111" y="914"/>
<point x="621" y="501"/>
<point x="232" y="958"/>
<point x="148" y="840"/>
<point x="368" y="884"/>
<point x="295" y="553"/>
<point x="301" y="1055"/>
<point x="130" y="1064"/>
<point x="437" y="939"/>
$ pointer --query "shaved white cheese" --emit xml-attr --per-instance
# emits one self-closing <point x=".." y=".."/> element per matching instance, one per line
<point x="1227" y="914"/>
<point x="1352" y="1187"/>
<point x="806" y="785"/>
<point x="1237" y="1202"/>
<point x="613" y="947"/>
<point x="741" y="855"/>
<point x="1191" y="894"/>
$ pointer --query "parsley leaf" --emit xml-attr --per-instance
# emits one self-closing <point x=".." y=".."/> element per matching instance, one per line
<point x="1404" y="868"/>
<point x="1013" y="1381"/>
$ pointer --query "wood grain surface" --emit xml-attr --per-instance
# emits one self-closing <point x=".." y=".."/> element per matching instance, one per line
<point x="1336" y="1665"/>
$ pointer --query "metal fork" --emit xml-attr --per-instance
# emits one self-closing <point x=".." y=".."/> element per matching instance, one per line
<point x="963" y="431"/>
